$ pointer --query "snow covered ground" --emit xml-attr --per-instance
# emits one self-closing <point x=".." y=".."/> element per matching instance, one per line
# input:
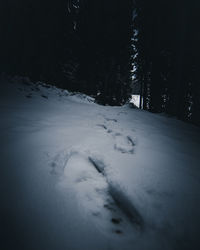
<point x="135" y="99"/>
<point x="77" y="175"/>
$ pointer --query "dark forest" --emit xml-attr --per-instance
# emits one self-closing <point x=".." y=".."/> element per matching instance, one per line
<point x="108" y="49"/>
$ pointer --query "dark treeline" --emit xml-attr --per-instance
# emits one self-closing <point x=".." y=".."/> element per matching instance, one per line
<point x="167" y="63"/>
<point x="81" y="45"/>
<point x="31" y="38"/>
<point x="90" y="46"/>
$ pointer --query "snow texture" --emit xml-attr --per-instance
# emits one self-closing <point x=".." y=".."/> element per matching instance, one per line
<point x="77" y="175"/>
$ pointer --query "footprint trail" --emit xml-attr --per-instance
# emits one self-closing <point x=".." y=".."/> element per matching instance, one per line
<point x="100" y="198"/>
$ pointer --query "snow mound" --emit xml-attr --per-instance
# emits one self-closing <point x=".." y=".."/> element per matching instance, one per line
<point x="29" y="90"/>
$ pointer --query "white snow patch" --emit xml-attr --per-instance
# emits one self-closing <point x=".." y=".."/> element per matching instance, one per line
<point x="77" y="175"/>
<point x="135" y="99"/>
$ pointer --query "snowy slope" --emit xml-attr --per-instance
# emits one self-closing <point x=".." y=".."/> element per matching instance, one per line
<point x="77" y="175"/>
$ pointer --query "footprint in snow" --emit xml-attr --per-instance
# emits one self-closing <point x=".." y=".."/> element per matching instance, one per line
<point x="110" y="120"/>
<point x="109" y="131"/>
<point x="122" y="112"/>
<point x="100" y="199"/>
<point x="102" y="126"/>
<point x="124" y="144"/>
<point x="58" y="162"/>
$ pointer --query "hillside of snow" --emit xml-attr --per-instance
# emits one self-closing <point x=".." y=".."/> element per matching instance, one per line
<point x="76" y="175"/>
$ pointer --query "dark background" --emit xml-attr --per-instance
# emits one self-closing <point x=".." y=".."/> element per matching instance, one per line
<point x="107" y="48"/>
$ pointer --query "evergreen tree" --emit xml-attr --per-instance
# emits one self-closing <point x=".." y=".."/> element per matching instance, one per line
<point x="167" y="47"/>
